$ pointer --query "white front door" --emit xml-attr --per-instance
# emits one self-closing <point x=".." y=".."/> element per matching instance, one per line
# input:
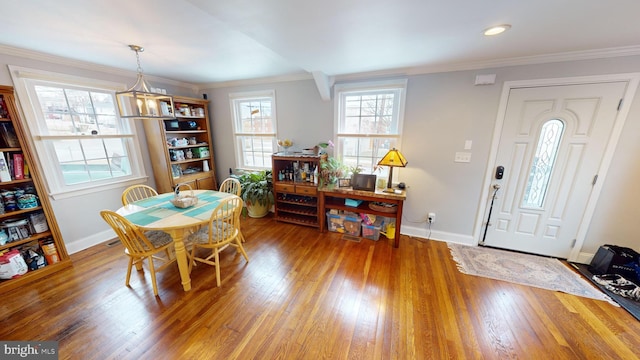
<point x="551" y="147"/>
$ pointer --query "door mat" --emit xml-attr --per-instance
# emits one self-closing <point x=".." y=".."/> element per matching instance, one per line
<point x="525" y="269"/>
<point x="633" y="307"/>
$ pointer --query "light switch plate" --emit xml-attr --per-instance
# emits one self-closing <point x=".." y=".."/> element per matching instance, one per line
<point x="462" y="157"/>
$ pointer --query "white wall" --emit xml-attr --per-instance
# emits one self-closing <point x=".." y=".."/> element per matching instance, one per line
<point x="442" y="111"/>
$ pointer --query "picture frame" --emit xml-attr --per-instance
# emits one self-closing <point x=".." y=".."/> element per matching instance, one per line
<point x="344" y="182"/>
<point x="176" y="171"/>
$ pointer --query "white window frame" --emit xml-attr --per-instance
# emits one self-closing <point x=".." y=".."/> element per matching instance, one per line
<point x="235" y="99"/>
<point x="398" y="87"/>
<point x="24" y="80"/>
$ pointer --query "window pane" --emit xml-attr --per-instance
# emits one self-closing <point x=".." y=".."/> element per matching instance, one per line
<point x="254" y="115"/>
<point x="364" y="112"/>
<point x="69" y="126"/>
<point x="256" y="151"/>
<point x="543" y="162"/>
<point x="91" y="159"/>
<point x="73" y="111"/>
<point x="365" y="152"/>
<point x="369" y="114"/>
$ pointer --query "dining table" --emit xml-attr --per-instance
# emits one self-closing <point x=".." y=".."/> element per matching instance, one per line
<point x="159" y="213"/>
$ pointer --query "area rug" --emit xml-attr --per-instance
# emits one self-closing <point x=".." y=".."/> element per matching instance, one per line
<point x="531" y="270"/>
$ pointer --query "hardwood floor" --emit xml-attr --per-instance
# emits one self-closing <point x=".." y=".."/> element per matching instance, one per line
<point x="307" y="295"/>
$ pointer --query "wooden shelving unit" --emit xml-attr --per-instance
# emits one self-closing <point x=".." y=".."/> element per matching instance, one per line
<point x="30" y="184"/>
<point x="183" y="161"/>
<point x="295" y="201"/>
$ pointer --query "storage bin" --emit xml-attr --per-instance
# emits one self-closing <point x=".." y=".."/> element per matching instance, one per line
<point x="372" y="231"/>
<point x="344" y="223"/>
<point x="200" y="152"/>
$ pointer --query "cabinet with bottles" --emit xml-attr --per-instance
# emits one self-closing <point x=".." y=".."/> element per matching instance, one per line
<point x="296" y="188"/>
<point x="31" y="245"/>
<point x="180" y="149"/>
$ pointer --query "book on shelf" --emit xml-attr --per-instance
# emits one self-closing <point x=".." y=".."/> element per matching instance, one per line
<point x="3" y="109"/>
<point x="5" y="175"/>
<point x="8" y="136"/>
<point x="18" y="166"/>
<point x="26" y="170"/>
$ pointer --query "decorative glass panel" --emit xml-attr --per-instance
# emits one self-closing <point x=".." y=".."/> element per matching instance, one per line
<point x="543" y="162"/>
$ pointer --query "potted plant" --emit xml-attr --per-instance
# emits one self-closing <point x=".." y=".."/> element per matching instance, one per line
<point x="331" y="169"/>
<point x="256" y="191"/>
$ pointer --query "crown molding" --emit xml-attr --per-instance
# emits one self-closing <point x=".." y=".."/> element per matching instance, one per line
<point x="39" y="56"/>
<point x="430" y="69"/>
<point x="417" y="70"/>
<point x="258" y="81"/>
<point x="514" y="61"/>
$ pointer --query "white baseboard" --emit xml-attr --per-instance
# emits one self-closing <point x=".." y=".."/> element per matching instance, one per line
<point x="437" y="235"/>
<point x="584" y="258"/>
<point x="87" y="242"/>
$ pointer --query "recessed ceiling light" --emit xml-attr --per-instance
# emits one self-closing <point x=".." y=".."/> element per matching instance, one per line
<point x="495" y="30"/>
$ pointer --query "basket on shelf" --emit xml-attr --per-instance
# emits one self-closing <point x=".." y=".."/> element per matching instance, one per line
<point x="184" y="200"/>
<point x="383" y="207"/>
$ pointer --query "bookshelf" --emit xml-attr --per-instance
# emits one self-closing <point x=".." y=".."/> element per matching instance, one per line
<point x="27" y="222"/>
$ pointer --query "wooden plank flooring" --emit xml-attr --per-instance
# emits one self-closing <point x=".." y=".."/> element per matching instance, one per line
<point x="307" y="295"/>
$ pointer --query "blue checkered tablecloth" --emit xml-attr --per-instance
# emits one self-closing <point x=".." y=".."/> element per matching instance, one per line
<point x="159" y="208"/>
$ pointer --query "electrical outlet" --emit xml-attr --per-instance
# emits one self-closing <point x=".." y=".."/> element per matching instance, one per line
<point x="431" y="217"/>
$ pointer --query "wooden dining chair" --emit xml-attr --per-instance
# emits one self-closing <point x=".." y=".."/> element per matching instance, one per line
<point x="140" y="245"/>
<point x="231" y="185"/>
<point x="137" y="192"/>
<point x="222" y="231"/>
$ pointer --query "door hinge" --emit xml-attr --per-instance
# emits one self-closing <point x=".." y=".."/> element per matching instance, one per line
<point x="620" y="104"/>
<point x="573" y="243"/>
<point x="595" y="180"/>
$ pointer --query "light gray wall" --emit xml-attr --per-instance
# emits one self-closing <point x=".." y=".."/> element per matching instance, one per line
<point x="442" y="111"/>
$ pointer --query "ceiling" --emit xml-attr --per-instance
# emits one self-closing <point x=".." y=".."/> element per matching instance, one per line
<point x="208" y="41"/>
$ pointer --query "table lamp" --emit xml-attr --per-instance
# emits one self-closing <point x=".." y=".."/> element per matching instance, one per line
<point x="392" y="158"/>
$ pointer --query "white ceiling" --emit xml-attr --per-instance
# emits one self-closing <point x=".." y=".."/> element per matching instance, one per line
<point x="209" y="41"/>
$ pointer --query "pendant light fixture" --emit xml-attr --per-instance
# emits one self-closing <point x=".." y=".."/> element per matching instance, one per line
<point x="139" y="102"/>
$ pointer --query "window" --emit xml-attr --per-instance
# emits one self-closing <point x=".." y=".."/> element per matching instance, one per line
<point x="254" y="126"/>
<point x="543" y="163"/>
<point x="368" y="122"/>
<point x="79" y="139"/>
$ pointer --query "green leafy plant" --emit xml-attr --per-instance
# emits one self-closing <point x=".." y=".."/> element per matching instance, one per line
<point x="353" y="170"/>
<point x="331" y="169"/>
<point x="256" y="187"/>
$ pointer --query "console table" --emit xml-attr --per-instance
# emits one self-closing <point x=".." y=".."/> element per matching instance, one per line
<point x="333" y="198"/>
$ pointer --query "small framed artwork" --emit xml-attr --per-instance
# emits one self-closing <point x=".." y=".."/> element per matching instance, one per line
<point x="346" y="182"/>
<point x="176" y="171"/>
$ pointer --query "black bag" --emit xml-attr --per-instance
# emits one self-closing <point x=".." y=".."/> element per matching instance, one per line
<point x="612" y="259"/>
